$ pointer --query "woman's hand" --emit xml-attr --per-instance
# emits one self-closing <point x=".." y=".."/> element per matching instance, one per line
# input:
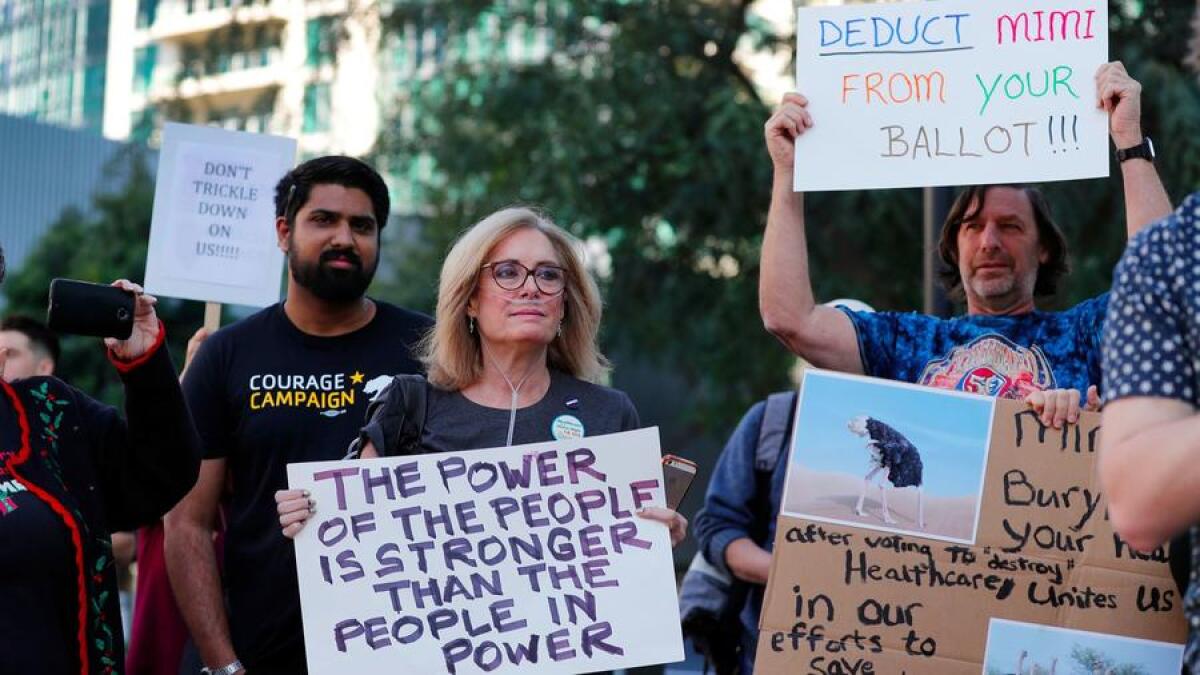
<point x="675" y="522"/>
<point x="145" y="325"/>
<point x="295" y="507"/>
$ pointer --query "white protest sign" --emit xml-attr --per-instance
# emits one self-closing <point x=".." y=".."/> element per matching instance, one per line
<point x="953" y="92"/>
<point x="212" y="237"/>
<point x="529" y="558"/>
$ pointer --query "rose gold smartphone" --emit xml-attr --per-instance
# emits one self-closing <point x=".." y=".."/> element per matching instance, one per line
<point x="678" y="474"/>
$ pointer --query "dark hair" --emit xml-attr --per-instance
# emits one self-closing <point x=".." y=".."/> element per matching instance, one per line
<point x="292" y="191"/>
<point x="40" y="337"/>
<point x="967" y="206"/>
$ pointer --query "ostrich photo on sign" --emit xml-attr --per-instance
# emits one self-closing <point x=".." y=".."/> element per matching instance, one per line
<point x="888" y="456"/>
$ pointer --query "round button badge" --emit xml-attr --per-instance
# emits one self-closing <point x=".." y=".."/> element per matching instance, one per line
<point x="566" y="427"/>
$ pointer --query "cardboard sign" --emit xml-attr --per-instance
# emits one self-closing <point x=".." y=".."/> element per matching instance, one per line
<point x="523" y="559"/>
<point x="212" y="237"/>
<point x="953" y="92"/>
<point x="1041" y="573"/>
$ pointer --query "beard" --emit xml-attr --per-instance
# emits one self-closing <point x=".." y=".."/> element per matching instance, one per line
<point x="993" y="287"/>
<point x="328" y="283"/>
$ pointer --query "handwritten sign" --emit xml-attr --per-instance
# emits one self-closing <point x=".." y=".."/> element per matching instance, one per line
<point x="212" y="237"/>
<point x="1046" y="580"/>
<point x="953" y="92"/>
<point x="528" y="558"/>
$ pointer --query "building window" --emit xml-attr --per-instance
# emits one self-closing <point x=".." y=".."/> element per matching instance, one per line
<point x="146" y="13"/>
<point x="322" y="40"/>
<point x="317" y="107"/>
<point x="143" y="68"/>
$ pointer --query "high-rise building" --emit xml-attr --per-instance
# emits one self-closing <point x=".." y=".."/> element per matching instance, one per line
<point x="322" y="71"/>
<point x="305" y="69"/>
<point x="53" y="57"/>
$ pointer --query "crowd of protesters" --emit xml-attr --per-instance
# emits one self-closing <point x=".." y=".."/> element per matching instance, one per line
<point x="200" y="464"/>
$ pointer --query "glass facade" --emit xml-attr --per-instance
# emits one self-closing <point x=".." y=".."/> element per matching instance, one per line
<point x="317" y="107"/>
<point x="321" y="41"/>
<point x="53" y="56"/>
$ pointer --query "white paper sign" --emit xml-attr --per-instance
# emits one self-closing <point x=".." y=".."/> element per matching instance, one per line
<point x="523" y="559"/>
<point x="212" y="237"/>
<point x="953" y="92"/>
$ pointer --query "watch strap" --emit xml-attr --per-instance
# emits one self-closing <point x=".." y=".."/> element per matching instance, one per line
<point x="1143" y="150"/>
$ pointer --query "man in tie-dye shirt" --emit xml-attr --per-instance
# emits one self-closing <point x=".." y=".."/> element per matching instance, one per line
<point x="1001" y="249"/>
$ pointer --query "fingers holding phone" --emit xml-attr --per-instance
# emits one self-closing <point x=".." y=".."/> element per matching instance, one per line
<point x="144" y="332"/>
<point x="121" y="313"/>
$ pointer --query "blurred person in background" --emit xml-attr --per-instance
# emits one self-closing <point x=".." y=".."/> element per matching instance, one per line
<point x="32" y="348"/>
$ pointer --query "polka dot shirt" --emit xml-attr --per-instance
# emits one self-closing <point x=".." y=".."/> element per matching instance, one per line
<point x="1152" y="335"/>
<point x="1152" y="339"/>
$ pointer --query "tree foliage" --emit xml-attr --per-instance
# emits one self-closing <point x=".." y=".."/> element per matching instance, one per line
<point x="106" y="242"/>
<point x="1092" y="661"/>
<point x="638" y="128"/>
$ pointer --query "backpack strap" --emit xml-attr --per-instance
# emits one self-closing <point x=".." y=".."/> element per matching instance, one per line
<point x="773" y="432"/>
<point x="395" y="418"/>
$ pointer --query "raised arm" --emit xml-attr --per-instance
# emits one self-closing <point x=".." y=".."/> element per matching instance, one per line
<point x="1120" y="95"/>
<point x="822" y="335"/>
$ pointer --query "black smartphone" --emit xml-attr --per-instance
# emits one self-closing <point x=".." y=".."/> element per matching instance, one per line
<point x="82" y="308"/>
<point x="679" y="474"/>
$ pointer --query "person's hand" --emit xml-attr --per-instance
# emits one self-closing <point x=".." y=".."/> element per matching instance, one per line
<point x="295" y="507"/>
<point x="1093" y="399"/>
<point x="790" y="120"/>
<point x="674" y="521"/>
<point x="1121" y="97"/>
<point x="193" y="345"/>
<point x="145" y="325"/>
<point x="1055" y="406"/>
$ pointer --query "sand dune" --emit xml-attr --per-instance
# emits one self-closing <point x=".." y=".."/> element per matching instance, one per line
<point x="834" y="495"/>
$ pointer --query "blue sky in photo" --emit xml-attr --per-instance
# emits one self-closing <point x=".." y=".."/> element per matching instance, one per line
<point x="950" y="431"/>
<point x="1007" y="639"/>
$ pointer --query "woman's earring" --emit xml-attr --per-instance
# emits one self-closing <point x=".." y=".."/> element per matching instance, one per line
<point x="471" y="325"/>
<point x="559" y="329"/>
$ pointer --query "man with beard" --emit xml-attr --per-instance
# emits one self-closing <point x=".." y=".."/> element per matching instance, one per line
<point x="1000" y="250"/>
<point x="287" y="384"/>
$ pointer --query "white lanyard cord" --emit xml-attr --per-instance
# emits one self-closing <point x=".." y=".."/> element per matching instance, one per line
<point x="516" y="391"/>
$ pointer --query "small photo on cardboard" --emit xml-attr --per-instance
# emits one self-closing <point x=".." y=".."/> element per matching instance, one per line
<point x="888" y="456"/>
<point x="1016" y="648"/>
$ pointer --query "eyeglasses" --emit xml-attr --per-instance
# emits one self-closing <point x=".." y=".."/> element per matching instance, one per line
<point x="511" y="275"/>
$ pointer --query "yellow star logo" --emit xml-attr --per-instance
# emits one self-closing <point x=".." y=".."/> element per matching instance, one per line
<point x="357" y="378"/>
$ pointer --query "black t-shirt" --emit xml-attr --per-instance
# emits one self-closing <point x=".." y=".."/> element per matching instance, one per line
<point x="263" y="395"/>
<point x="571" y="408"/>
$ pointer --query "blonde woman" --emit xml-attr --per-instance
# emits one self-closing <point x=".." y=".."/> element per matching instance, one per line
<point x="512" y="358"/>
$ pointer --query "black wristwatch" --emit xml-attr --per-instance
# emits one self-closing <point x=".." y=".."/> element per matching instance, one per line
<point x="1143" y="150"/>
